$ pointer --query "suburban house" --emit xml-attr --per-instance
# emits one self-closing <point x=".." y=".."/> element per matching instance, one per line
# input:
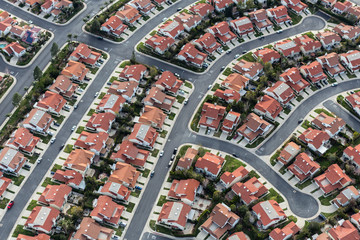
<point x="253" y="127"/>
<point x="293" y="78"/>
<point x="313" y="71"/>
<point x="64" y="86"/>
<point x="42" y="219"/>
<point x="23" y="140"/>
<point x="228" y="95"/>
<point x="267" y="55"/>
<point x="55" y="196"/>
<point x="331" y="65"/>
<point x="268" y="213"/>
<point x="133" y="73"/>
<point x="79" y="160"/>
<point x="355" y="219"/>
<point x="84" y="54"/>
<point x="354" y="101"/>
<point x="295" y="6"/>
<point x="184" y="190"/>
<point x="186" y="161"/>
<point x="11" y="161"/>
<point x="354" y="13"/>
<point x="189" y="21"/>
<point x="114" y="25"/>
<point x="210" y="164"/>
<point x="115" y="190"/>
<point x="351" y="60"/>
<point x="347" y="32"/>
<point x="268" y="107"/>
<point x="281" y="92"/>
<point x="4" y="184"/>
<point x="71" y="178"/>
<point x="128" y="14"/>
<point x="235" y="82"/>
<point x="153" y="116"/>
<point x="307" y="45"/>
<point x="228" y="179"/>
<point x="211" y="116"/>
<point x="106" y="211"/>
<point x="94" y="142"/>
<point x="38" y="121"/>
<point x="251" y="70"/>
<point x="304" y="167"/>
<point x="341" y="7"/>
<point x="171" y="29"/>
<point x="289" y="152"/>
<point x="125" y="89"/>
<point x="260" y="19"/>
<point x="344" y="230"/>
<point x="124" y="174"/>
<point x="14" y="48"/>
<point x="352" y="154"/>
<point x="331" y="125"/>
<point x="169" y="82"/>
<point x="348" y="194"/>
<point x="159" y="99"/>
<point x="159" y="44"/>
<point x="143" y="135"/>
<point x="242" y="26"/>
<point x="220" y="221"/>
<point x="333" y="179"/>
<point x="191" y="55"/>
<point x="316" y="140"/>
<point x="221" y="5"/>
<point x="278" y="15"/>
<point x="89" y="229"/>
<point x="4" y="29"/>
<point x="111" y="103"/>
<point x="202" y="9"/>
<point x="100" y="122"/>
<point x="328" y="3"/>
<point x="208" y="43"/>
<point x="288" y="48"/>
<point x="50" y="102"/>
<point x="129" y="153"/>
<point x="230" y="122"/>
<point x="75" y="71"/>
<point x="328" y="39"/>
<point x="222" y="32"/>
<point x="17" y="31"/>
<point x="285" y="233"/>
<point x="249" y="191"/>
<point x="143" y="6"/>
<point x="238" y="236"/>
<point x="174" y="215"/>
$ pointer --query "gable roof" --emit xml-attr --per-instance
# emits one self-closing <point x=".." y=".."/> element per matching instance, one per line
<point x="211" y="162"/>
<point x="79" y="159"/>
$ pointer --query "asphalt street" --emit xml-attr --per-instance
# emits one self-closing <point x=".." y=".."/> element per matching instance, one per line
<point x="180" y="133"/>
<point x="339" y="111"/>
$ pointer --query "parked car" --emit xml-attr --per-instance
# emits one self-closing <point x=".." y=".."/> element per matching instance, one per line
<point x="228" y="51"/>
<point x="164" y="19"/>
<point x="300" y="120"/>
<point x="334" y="84"/>
<point x="179" y="9"/>
<point x="234" y="155"/>
<point x="138" y="188"/>
<point x="175" y="151"/>
<point x="56" y="124"/>
<point x="186" y="101"/>
<point x="101" y="38"/>
<point x="10" y="204"/>
<point x="261" y="38"/>
<point x="161" y="153"/>
<point x="73" y="128"/>
<point x="96" y="94"/>
<point x="75" y="106"/>
<point x="236" y="56"/>
<point x="39" y="160"/>
<point x="177" y="75"/>
<point x="52" y="140"/>
<point x="279" y="31"/>
<point x="62" y="146"/>
<point x="210" y="86"/>
<point x="170" y="163"/>
<point x="208" y="131"/>
<point x="26" y="166"/>
<point x="152" y="174"/>
<point x="173" y="157"/>
<point x="122" y="224"/>
<point x="222" y="68"/>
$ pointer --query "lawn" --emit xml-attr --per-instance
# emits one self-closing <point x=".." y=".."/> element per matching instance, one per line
<point x="252" y="174"/>
<point x="113" y="78"/>
<point x="273" y="195"/>
<point x="68" y="148"/>
<point x="101" y="95"/>
<point x="80" y="129"/>
<point x="188" y="84"/>
<point x="155" y="152"/>
<point x="287" y="110"/>
<point x="20" y="230"/>
<point x="59" y="119"/>
<point x="146" y="172"/>
<point x="326" y="200"/>
<point x="4" y="202"/>
<point x="48" y="181"/>
<point x="299" y="98"/>
<point x="350" y="75"/>
<point x="16" y="180"/>
<point x="32" y="205"/>
<point x="232" y="164"/>
<point x="162" y="201"/>
<point x="180" y="99"/>
<point x="304" y="184"/>
<point x="227" y="72"/>
<point x="215" y="87"/>
<point x="90" y="113"/>
<point x="172" y="116"/>
<point x="248" y="57"/>
<point x="163" y="133"/>
<point x="306" y="124"/>
<point x="56" y="167"/>
<point x="130" y="207"/>
<point x="322" y="110"/>
<point x="295" y="18"/>
<point x="273" y="158"/>
<point x="125" y="63"/>
<point x="256" y="143"/>
<point x="135" y="193"/>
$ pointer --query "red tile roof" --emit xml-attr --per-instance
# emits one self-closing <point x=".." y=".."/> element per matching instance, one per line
<point x="202" y="9"/>
<point x="92" y="141"/>
<point x="153" y="116"/>
<point x="328" y="37"/>
<point x="143" y="134"/>
<point x="51" y="101"/>
<point x="211" y="162"/>
<point x="288" y="231"/>
<point x="55" y="195"/>
<point x="107" y="210"/>
<point x="174" y="214"/>
<point x="293" y="78"/>
<point x="329" y="124"/>
<point x="133" y="72"/>
<point x="281" y="92"/>
<point x="269" y="105"/>
<point x="169" y="81"/>
<point x="211" y="115"/>
<point x="267" y="55"/>
<point x="229" y="177"/>
<point x="159" y="99"/>
<point x="249" y="191"/>
<point x="22" y="139"/>
<point x="101" y="122"/>
<point x="238" y="236"/>
<point x="124" y="174"/>
<point x="287" y="47"/>
<point x="289" y="152"/>
<point x="313" y="71"/>
<point x="79" y="159"/>
<point x="111" y="103"/>
<point x="89" y="228"/>
<point x="184" y="189"/>
<point x="253" y="127"/>
<point x="230" y="122"/>
<point x="4" y="183"/>
<point x="130" y="154"/>
<point x="186" y="161"/>
<point x="40" y="236"/>
<point x="64" y="86"/>
<point x="330" y="62"/>
<point x="189" y="53"/>
<point x="160" y="43"/>
<point x="315" y="137"/>
<point x="208" y="43"/>
<point x="68" y="177"/>
<point x="304" y="167"/>
<point x="42" y="218"/>
<point x="307" y="44"/>
<point x="235" y="81"/>
<point x="344" y="231"/>
<point x="333" y="178"/>
<point x="347" y="31"/>
<point x="269" y="212"/>
<point x="249" y="69"/>
<point x="171" y="28"/>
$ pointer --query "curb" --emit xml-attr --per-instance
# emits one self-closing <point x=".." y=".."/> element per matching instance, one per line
<point x="9" y="89"/>
<point x="44" y="19"/>
<point x="36" y="55"/>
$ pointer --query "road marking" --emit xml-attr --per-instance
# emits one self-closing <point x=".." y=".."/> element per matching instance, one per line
<point x="16" y="74"/>
<point x="110" y="50"/>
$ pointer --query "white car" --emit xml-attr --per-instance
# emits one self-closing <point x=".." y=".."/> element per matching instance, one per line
<point x="73" y="128"/>
<point x="161" y="153"/>
<point x="170" y="163"/>
<point x="39" y="160"/>
<point x="96" y="94"/>
<point x="164" y="19"/>
<point x="52" y="140"/>
<point x="30" y="21"/>
<point x="210" y="86"/>
<point x="186" y="101"/>
<point x="236" y="56"/>
<point x="334" y="84"/>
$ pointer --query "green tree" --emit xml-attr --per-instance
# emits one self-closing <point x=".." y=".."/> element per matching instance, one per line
<point x="66" y="225"/>
<point x="54" y="50"/>
<point x="250" y="4"/>
<point x="133" y="58"/>
<point x="76" y="211"/>
<point x="37" y="73"/>
<point x="16" y="99"/>
<point x="217" y="196"/>
<point x="153" y="71"/>
<point x="95" y="26"/>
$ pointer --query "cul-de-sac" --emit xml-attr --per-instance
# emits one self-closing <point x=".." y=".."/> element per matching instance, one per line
<point x="179" y="119"/>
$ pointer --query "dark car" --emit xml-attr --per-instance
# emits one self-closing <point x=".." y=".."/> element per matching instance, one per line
<point x="138" y="188"/>
<point x="152" y="173"/>
<point x="300" y="120"/>
<point x="62" y="146"/>
<point x="234" y="154"/>
<point x="10" y="204"/>
<point x="261" y="38"/>
<point x="175" y="151"/>
<point x="56" y="124"/>
<point x="27" y="166"/>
